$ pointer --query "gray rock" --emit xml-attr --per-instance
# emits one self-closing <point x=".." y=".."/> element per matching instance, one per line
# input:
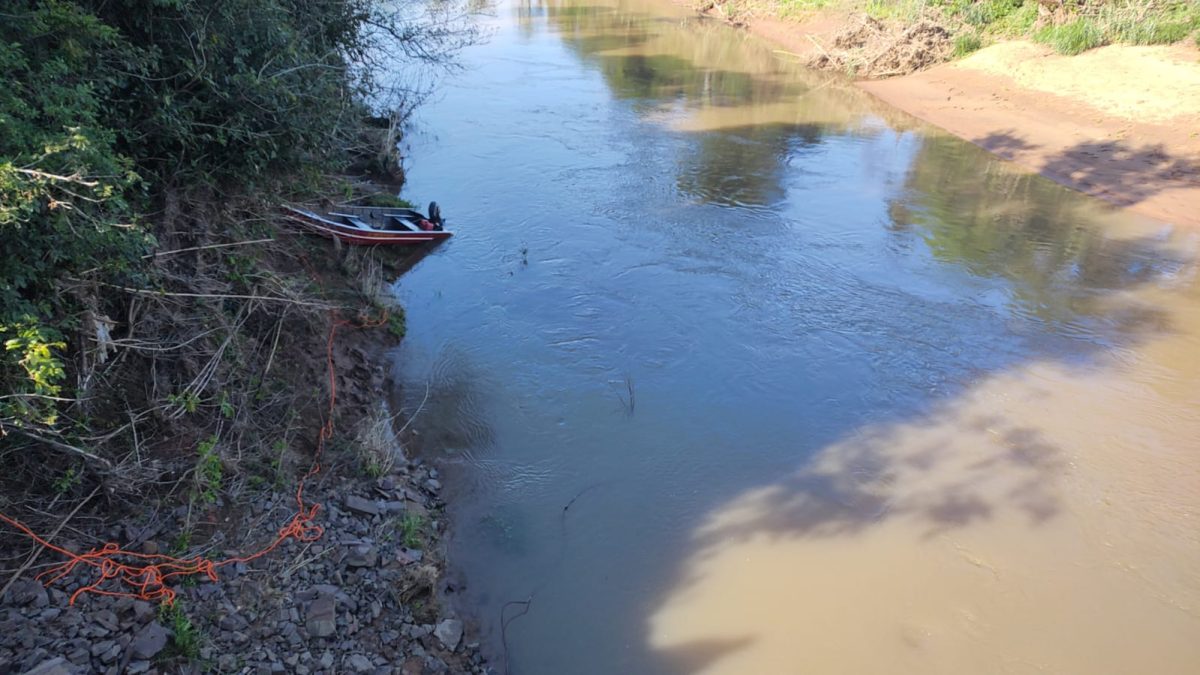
<point x="362" y="556"/>
<point x="291" y="634"/>
<point x="137" y="667"/>
<point x="449" y="632"/>
<point x="142" y="611"/>
<point x="327" y="660"/>
<point x="408" y="556"/>
<point x="56" y="666"/>
<point x="28" y="592"/>
<point x="111" y="655"/>
<point x="322" y="617"/>
<point x="232" y="622"/>
<point x="366" y="507"/>
<point x="149" y="641"/>
<point x="99" y="648"/>
<point x="107" y="618"/>
<point x="359" y="664"/>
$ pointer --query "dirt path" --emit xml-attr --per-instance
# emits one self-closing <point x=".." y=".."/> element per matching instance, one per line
<point x="1120" y="123"/>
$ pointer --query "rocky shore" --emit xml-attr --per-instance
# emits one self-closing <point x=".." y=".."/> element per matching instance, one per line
<point x="363" y="599"/>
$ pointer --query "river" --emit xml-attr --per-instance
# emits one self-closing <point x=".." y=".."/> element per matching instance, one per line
<point x="732" y="369"/>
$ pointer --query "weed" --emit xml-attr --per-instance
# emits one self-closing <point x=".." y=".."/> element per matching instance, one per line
<point x="966" y="43"/>
<point x="226" y="407"/>
<point x="280" y="449"/>
<point x="374" y="470"/>
<point x="239" y="268"/>
<point x="181" y="543"/>
<point x="411" y="530"/>
<point x="800" y="7"/>
<point x="66" y="482"/>
<point x="397" y="323"/>
<point x="903" y="10"/>
<point x="185" y="638"/>
<point x="208" y="470"/>
<point x="1072" y="38"/>
<point x="189" y="401"/>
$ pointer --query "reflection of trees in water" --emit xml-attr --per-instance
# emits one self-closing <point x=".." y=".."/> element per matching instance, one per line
<point x="745" y="165"/>
<point x="642" y="58"/>
<point x="700" y="65"/>
<point x="974" y="212"/>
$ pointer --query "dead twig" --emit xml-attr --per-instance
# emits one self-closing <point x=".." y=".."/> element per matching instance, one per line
<point x="37" y="552"/>
<point x="161" y="254"/>
<point x="61" y="446"/>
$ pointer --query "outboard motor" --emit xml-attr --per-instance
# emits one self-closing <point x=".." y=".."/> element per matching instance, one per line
<point x="435" y="215"/>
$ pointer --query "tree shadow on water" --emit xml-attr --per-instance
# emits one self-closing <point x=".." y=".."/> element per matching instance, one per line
<point x="946" y="473"/>
<point x="1120" y="172"/>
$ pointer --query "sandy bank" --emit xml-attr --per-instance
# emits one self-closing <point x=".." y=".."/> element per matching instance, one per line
<point x="1121" y="123"/>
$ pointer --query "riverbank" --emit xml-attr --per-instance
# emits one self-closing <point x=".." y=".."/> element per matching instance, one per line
<point x="365" y="596"/>
<point x="1118" y="122"/>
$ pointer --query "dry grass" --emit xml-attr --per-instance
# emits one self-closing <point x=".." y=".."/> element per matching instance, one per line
<point x="376" y="444"/>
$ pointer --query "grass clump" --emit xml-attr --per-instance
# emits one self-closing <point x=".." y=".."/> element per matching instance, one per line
<point x="412" y="531"/>
<point x="185" y="638"/>
<point x="1072" y="38"/>
<point x="1154" y="32"/>
<point x="966" y="43"/>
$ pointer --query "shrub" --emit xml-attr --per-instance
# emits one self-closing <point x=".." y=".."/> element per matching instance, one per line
<point x="107" y="105"/>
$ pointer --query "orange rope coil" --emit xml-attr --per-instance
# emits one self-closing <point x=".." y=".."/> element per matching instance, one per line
<point x="144" y="576"/>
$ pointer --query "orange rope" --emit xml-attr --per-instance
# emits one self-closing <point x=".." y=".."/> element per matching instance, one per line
<point x="144" y="576"/>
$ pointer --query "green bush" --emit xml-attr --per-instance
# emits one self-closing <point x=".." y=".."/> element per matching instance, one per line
<point x="105" y="105"/>
<point x="1072" y="38"/>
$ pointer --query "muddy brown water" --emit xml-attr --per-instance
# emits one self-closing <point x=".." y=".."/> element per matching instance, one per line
<point x="734" y="370"/>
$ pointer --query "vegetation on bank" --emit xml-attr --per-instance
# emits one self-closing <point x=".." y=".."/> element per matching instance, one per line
<point x="145" y="299"/>
<point x="1069" y="26"/>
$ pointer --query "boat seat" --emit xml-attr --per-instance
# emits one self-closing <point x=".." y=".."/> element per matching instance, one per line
<point x="353" y="220"/>
<point x="398" y="223"/>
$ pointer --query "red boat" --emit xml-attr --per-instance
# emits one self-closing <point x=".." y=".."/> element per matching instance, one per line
<point x="373" y="226"/>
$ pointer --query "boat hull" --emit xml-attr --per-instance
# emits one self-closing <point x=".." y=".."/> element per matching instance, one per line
<point x="358" y="236"/>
